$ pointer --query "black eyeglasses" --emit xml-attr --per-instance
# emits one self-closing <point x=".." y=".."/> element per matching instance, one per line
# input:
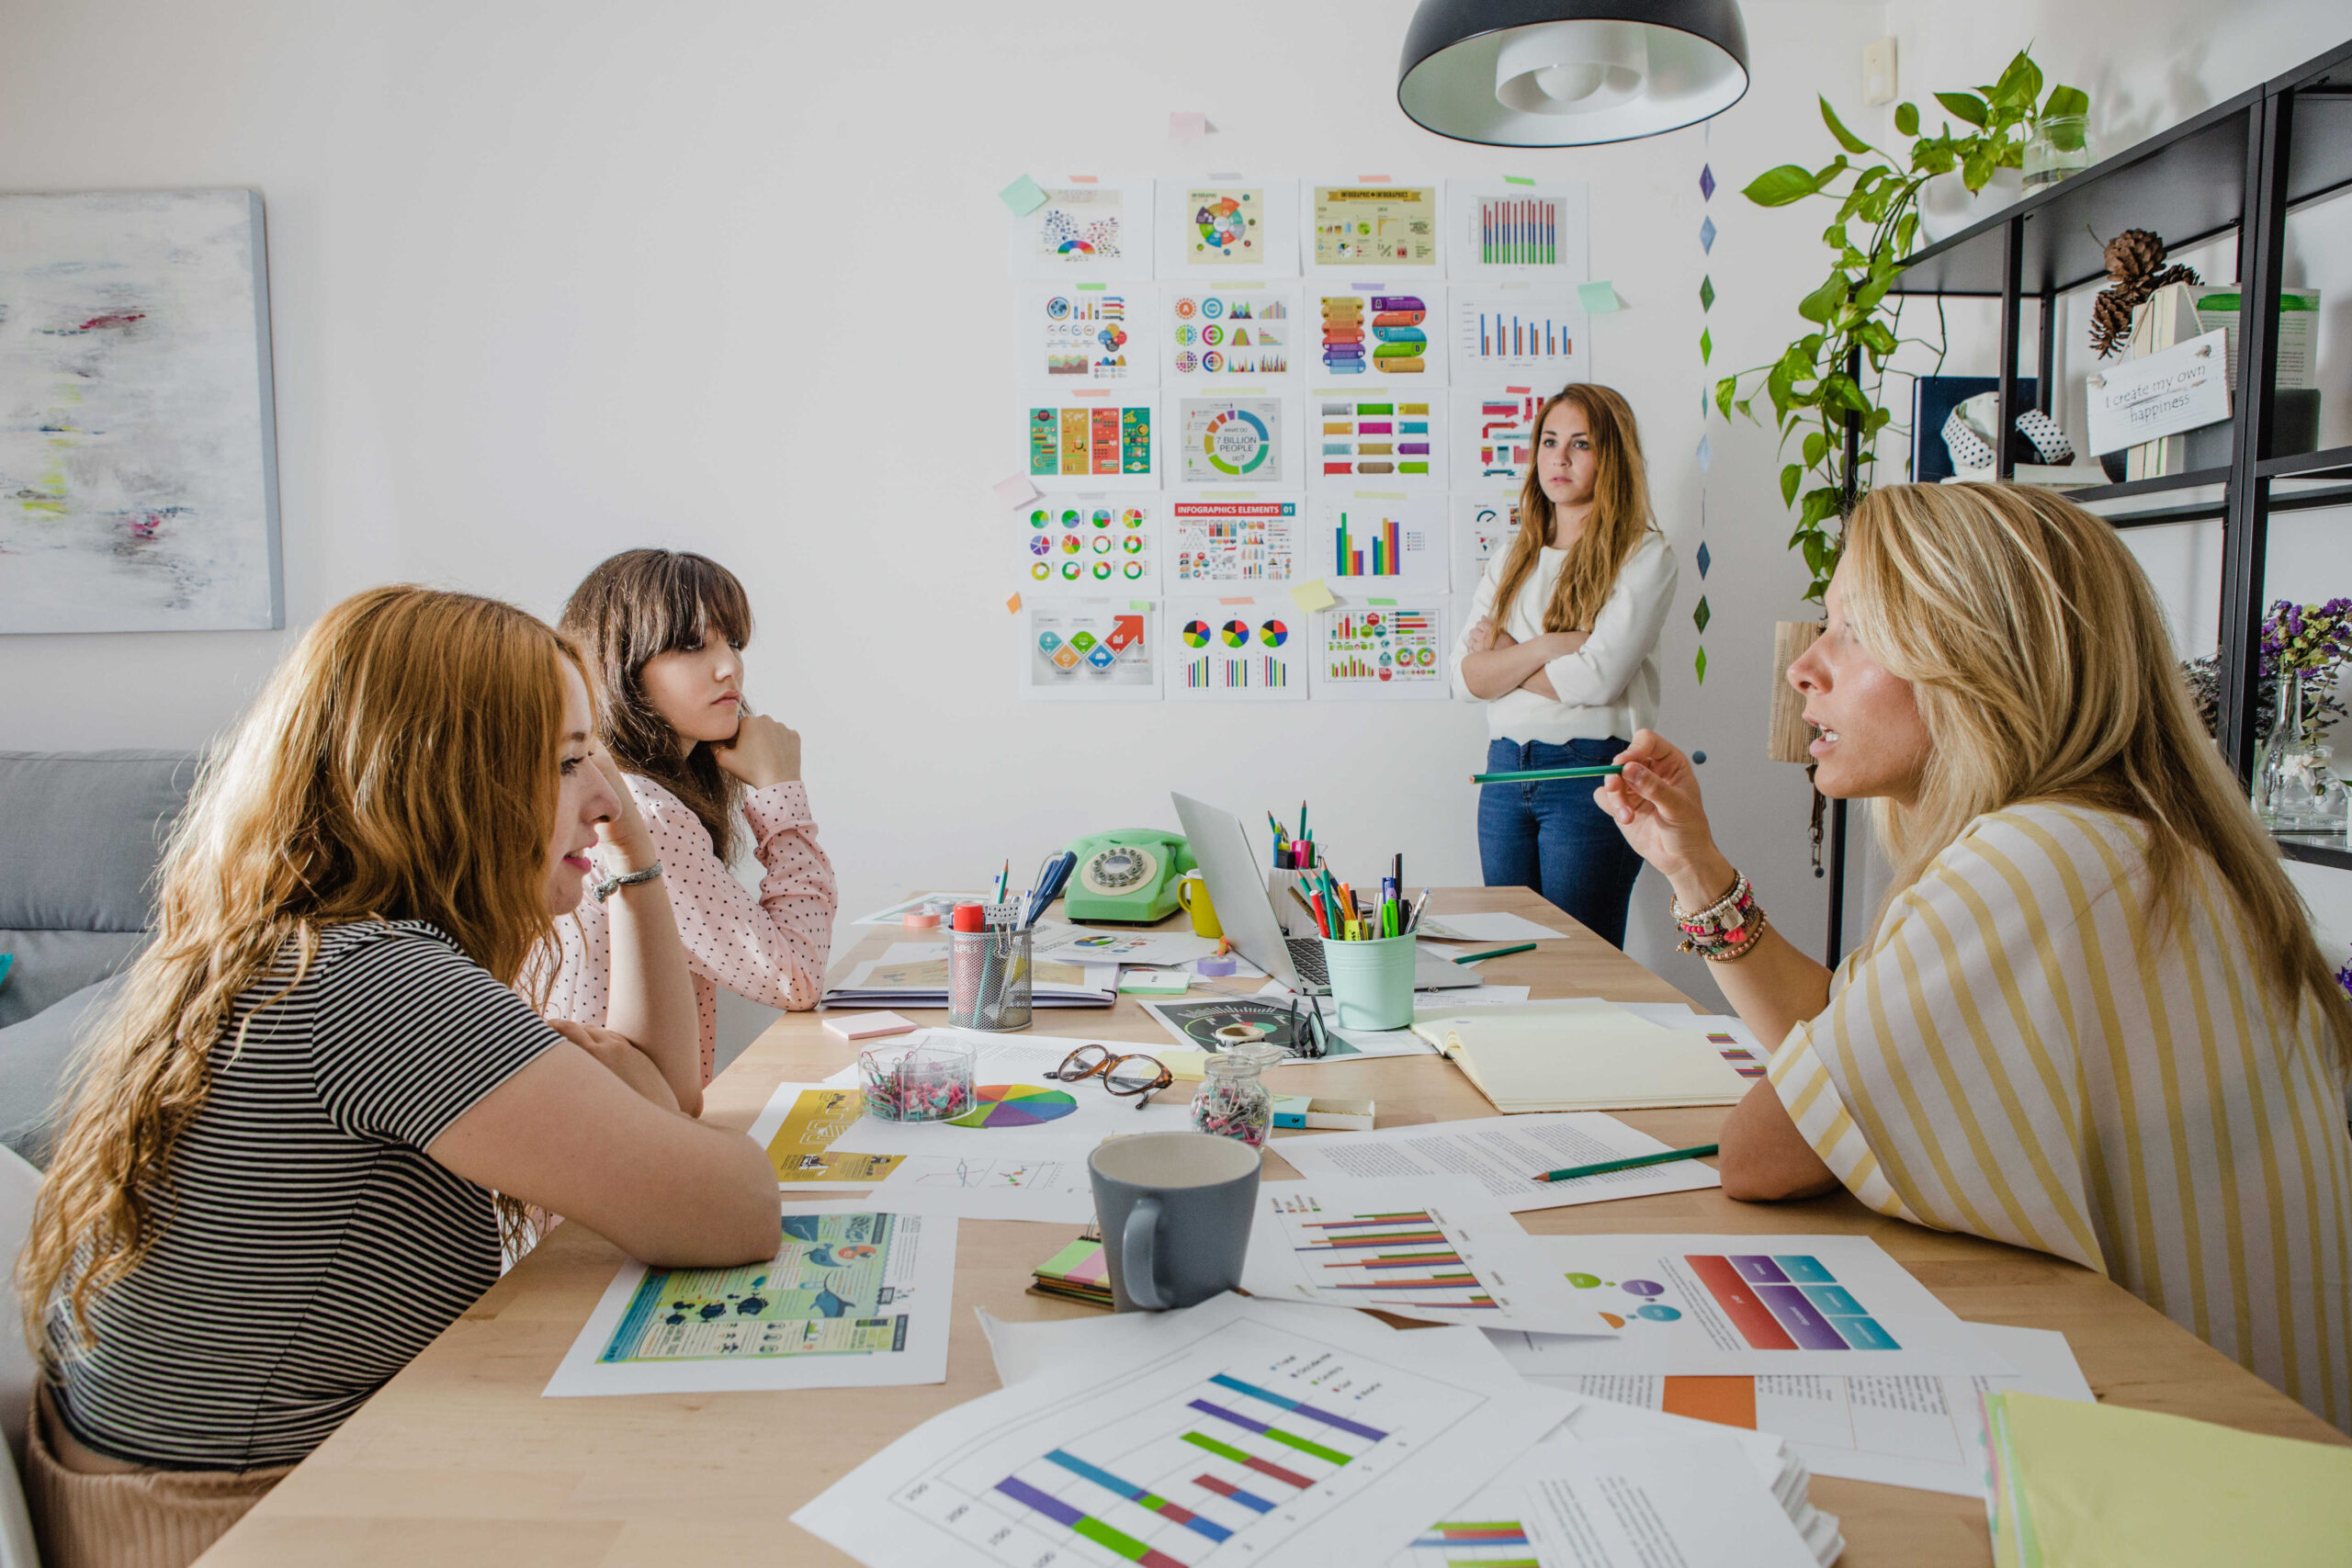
<point x="1136" y="1075"/>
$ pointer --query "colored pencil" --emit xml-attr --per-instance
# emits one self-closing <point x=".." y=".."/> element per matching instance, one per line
<point x="1537" y="776"/>
<point x="1605" y="1167"/>
<point x="1496" y="953"/>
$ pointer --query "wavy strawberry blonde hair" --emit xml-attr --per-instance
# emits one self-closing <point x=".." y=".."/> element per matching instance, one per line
<point x="2043" y="672"/>
<point x="1620" y="513"/>
<point x="401" y="765"/>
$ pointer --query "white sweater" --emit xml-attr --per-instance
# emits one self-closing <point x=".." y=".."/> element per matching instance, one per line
<point x="1607" y="687"/>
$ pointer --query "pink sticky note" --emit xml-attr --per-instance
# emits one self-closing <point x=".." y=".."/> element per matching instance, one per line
<point x="1015" y="490"/>
<point x="1187" y="127"/>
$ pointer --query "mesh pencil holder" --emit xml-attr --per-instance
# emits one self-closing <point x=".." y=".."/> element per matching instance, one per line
<point x="988" y="979"/>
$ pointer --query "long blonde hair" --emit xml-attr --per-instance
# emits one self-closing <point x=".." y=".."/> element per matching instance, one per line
<point x="1620" y="513"/>
<point x="2043" y="671"/>
<point x="401" y="764"/>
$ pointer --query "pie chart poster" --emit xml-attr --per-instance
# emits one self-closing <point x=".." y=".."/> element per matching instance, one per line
<point x="1238" y="440"/>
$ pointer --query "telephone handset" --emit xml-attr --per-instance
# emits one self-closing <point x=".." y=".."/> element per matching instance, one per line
<point x="1128" y="876"/>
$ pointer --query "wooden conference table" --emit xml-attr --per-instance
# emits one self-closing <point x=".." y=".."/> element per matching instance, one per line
<point x="459" y="1462"/>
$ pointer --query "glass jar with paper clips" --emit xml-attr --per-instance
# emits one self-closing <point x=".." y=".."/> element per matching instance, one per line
<point x="927" y="1077"/>
<point x="988" y="972"/>
<point x="1233" y="1100"/>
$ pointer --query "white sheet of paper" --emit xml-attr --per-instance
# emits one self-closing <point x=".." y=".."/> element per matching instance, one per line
<point x="1078" y="944"/>
<point x="1053" y="1187"/>
<point x="1918" y="1430"/>
<point x="1438" y="1249"/>
<point x="1503" y="1154"/>
<point x="1003" y="1480"/>
<point x="1741" y="1305"/>
<point x="714" y="1331"/>
<point x="1493" y="926"/>
<point x="1692" y="1501"/>
<point x="1095" y="1112"/>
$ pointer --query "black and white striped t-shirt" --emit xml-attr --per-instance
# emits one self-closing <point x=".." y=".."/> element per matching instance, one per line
<point x="309" y="1249"/>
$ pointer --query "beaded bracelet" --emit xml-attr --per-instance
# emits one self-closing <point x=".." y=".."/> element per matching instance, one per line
<point x="1725" y="929"/>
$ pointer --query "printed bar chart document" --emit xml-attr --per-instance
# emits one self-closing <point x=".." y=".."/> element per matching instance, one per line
<point x="1504" y="1155"/>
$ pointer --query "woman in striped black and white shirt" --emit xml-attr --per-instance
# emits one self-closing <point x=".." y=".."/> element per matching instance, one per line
<point x="2091" y="1019"/>
<point x="275" y="1185"/>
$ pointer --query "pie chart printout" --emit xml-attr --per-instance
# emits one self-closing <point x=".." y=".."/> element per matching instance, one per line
<point x="1016" y="1105"/>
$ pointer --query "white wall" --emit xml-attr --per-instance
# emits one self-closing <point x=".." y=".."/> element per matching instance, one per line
<point x="550" y="280"/>
<point x="554" y="279"/>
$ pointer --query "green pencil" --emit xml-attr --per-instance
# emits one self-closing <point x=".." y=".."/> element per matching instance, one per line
<point x="1496" y="953"/>
<point x="1572" y="1172"/>
<point x="1538" y="775"/>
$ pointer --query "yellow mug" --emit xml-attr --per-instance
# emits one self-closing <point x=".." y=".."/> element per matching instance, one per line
<point x="1193" y="893"/>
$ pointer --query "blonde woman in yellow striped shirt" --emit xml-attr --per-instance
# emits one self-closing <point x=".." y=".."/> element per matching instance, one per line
<point x="2091" y="1019"/>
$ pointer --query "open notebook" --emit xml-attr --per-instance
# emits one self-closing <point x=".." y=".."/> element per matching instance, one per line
<point x="1587" y="1054"/>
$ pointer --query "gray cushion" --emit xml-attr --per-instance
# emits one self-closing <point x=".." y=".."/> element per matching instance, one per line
<point x="79" y="834"/>
<point x="33" y="1059"/>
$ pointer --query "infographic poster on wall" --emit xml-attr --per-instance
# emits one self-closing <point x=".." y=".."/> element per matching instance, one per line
<point x="1090" y="649"/>
<point x="1214" y="337"/>
<point x="1517" y="229"/>
<point x="1378" y="332"/>
<point x="1235" y="651"/>
<point x="1381" y="651"/>
<point x="1361" y="224"/>
<point x="1229" y="226"/>
<point x="1090" y="544"/>
<point x="1392" y="440"/>
<point x="1234" y="539"/>
<point x="1493" y="436"/>
<point x="1239" y="438"/>
<point x="1086" y="334"/>
<point x="1099" y="230"/>
<point x="1374" y="542"/>
<point x="1105" y="441"/>
<point x="1484" y="526"/>
<point x="1517" y="332"/>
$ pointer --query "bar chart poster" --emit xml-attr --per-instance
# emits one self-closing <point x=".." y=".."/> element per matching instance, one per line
<point x="1385" y="651"/>
<point x="1494" y="434"/>
<point x="1518" y="333"/>
<point x="1516" y="229"/>
<point x="1396" y="441"/>
<point x="1247" y="1445"/>
<point x="1235" y="651"/>
<point x="1484" y="528"/>
<point x="1377" y="333"/>
<point x="1370" y="542"/>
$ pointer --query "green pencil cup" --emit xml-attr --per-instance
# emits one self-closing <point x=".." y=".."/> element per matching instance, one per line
<point x="1371" y="982"/>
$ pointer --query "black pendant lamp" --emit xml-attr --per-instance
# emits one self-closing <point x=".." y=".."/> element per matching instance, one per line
<point x="1570" y="72"/>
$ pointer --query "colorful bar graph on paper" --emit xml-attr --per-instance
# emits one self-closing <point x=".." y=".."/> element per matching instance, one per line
<point x="1500" y="335"/>
<point x="1086" y="1525"/>
<point x="1263" y="1466"/>
<point x="1283" y="1402"/>
<point x="1789" y="1302"/>
<point x="1306" y="1445"/>
<point x="1519" y="231"/>
<point x="1386" y="554"/>
<point x="1232" y="1493"/>
<point x="1141" y="1498"/>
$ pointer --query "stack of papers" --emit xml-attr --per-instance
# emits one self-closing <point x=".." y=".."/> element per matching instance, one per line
<point x="920" y="980"/>
<point x="2099" y="1486"/>
<point x="1587" y="1054"/>
<point x="1504" y="1155"/>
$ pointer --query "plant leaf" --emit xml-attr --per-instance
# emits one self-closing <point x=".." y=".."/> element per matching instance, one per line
<point x="1823" y="302"/>
<point x="1846" y="139"/>
<point x="1778" y="187"/>
<point x="1791" y="477"/>
<point x="1906" y="119"/>
<point x="1816" y="446"/>
<point x="1723" y="390"/>
<point x="1966" y="106"/>
<point x="2065" y="100"/>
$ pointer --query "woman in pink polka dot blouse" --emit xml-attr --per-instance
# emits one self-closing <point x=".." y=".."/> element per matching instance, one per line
<point x="664" y="632"/>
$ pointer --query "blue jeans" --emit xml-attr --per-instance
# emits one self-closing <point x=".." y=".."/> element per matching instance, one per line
<point x="1551" y="837"/>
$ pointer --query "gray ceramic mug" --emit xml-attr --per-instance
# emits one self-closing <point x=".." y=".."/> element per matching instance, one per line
<point x="1175" y="1210"/>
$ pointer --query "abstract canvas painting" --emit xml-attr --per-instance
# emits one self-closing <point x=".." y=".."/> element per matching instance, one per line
<point x="138" y="448"/>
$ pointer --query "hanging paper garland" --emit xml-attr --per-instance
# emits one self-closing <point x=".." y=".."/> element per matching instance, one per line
<point x="1706" y="453"/>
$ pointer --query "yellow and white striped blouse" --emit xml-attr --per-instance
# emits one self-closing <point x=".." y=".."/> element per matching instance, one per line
<point x="2015" y="1057"/>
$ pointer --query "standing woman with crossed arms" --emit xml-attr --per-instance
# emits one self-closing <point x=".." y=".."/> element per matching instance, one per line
<point x="1562" y="647"/>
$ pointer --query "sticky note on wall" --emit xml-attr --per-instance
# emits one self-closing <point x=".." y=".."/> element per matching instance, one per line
<point x="1313" y="596"/>
<point x="1599" y="298"/>
<point x="1023" y="195"/>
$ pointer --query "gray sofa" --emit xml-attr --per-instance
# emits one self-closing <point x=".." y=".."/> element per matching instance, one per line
<point x="79" y="834"/>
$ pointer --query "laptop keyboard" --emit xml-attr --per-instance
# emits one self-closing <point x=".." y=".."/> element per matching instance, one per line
<point x="1306" y="957"/>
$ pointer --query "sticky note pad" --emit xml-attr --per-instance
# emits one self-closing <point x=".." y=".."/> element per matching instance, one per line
<point x="1023" y="195"/>
<point x="1599" y="297"/>
<point x="1016" y="490"/>
<point x="1312" y="596"/>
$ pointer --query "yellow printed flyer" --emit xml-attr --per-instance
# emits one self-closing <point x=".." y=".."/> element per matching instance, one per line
<point x="801" y="1146"/>
<point x="1388" y="226"/>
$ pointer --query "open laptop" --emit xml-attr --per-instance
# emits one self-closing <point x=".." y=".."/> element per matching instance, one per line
<point x="1230" y="866"/>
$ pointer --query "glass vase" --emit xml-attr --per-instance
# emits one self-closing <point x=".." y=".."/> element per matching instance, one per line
<point x="2298" y="792"/>
<point x="2061" y="145"/>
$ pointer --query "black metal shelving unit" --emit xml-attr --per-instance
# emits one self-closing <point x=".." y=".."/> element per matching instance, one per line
<point x="2240" y="167"/>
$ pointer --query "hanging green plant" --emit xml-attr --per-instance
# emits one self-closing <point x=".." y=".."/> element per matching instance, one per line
<point x="1839" y="366"/>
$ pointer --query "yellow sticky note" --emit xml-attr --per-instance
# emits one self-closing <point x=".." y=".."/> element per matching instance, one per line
<point x="1312" y="596"/>
<point x="1012" y="605"/>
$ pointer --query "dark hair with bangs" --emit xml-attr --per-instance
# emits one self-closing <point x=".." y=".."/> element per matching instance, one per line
<point x="633" y="606"/>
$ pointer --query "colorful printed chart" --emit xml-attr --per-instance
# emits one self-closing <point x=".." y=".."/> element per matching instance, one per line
<point x="1238" y="440"/>
<point x="1226" y="227"/>
<point x="1384" y="439"/>
<point x="1378" y="332"/>
<point x="1091" y="544"/>
<point x="1016" y="1105"/>
<point x="1085" y="335"/>
<point x="1235" y="541"/>
<point x="1228" y="334"/>
<point x="1385" y="651"/>
<point x="1096" y="232"/>
<point x="1370" y="543"/>
<point x="824" y="1293"/>
<point x="1484" y="526"/>
<point x="1495" y="434"/>
<point x="1515" y="229"/>
<point x="1518" y="333"/>
<point x="1388" y="226"/>
<point x="1244" y="651"/>
<point x="1085" y="443"/>
<point x="1090" y="649"/>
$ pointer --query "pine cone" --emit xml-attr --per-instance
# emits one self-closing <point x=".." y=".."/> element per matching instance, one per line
<point x="2133" y="253"/>
<point x="2110" y="322"/>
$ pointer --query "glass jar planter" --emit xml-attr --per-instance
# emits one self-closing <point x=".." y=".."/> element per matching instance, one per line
<point x="2060" y="144"/>
<point x="2296" y="791"/>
